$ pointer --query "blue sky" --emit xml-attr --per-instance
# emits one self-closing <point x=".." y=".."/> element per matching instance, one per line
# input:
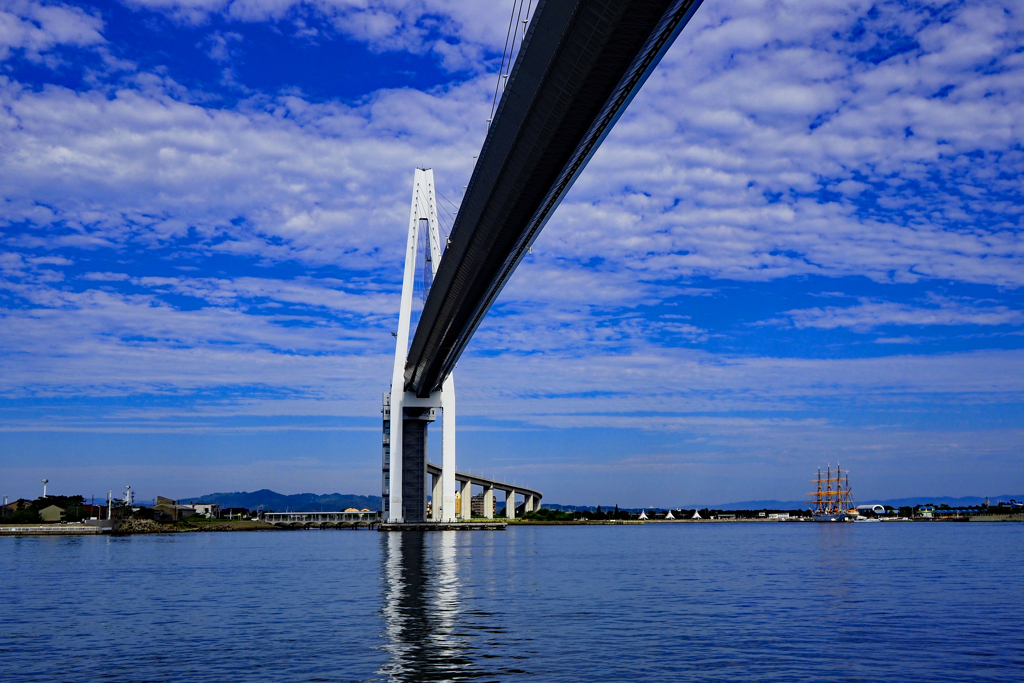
<point x="801" y="244"/>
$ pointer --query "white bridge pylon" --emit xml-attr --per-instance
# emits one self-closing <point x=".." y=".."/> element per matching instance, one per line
<point x="422" y="216"/>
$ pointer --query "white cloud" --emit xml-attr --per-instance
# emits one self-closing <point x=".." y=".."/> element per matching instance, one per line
<point x="106" y="277"/>
<point x="869" y="314"/>
<point x="455" y="31"/>
<point x="37" y="28"/>
<point x="319" y="183"/>
<point x="897" y="340"/>
<point x="319" y="293"/>
<point x="102" y="343"/>
<point x="221" y="45"/>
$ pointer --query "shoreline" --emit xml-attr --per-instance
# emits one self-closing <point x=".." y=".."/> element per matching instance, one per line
<point x="135" y="526"/>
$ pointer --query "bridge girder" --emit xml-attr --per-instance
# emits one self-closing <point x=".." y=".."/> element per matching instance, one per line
<point x="581" y="64"/>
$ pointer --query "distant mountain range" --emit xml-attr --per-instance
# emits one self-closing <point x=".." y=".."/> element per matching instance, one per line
<point x="271" y="500"/>
<point x="305" y="502"/>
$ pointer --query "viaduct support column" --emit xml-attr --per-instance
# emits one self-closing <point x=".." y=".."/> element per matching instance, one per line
<point x="435" y="497"/>
<point x="467" y="500"/>
<point x="489" y="502"/>
<point x="510" y="504"/>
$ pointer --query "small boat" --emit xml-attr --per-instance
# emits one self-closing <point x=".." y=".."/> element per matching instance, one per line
<point x="832" y="503"/>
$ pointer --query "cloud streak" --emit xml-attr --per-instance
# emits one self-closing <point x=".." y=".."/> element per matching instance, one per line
<point x="868" y="314"/>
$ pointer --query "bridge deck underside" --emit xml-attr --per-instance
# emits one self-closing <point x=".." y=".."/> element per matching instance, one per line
<point x="580" y="65"/>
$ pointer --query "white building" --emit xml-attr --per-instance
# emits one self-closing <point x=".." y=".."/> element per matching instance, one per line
<point x="210" y="511"/>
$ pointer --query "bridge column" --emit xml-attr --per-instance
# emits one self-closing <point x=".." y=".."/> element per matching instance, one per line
<point x="435" y="497"/>
<point x="398" y="507"/>
<point x="414" y="464"/>
<point x="510" y="504"/>
<point x="489" y="502"/>
<point x="467" y="500"/>
<point x="528" y="506"/>
<point x="447" y="493"/>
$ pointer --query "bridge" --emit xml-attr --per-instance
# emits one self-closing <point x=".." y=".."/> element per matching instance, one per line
<point x="580" y="65"/>
<point x="531" y="497"/>
<point x="320" y="520"/>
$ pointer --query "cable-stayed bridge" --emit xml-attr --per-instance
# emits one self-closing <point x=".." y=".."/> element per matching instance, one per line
<point x="580" y="65"/>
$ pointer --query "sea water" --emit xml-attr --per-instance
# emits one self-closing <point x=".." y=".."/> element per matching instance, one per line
<point x="659" y="602"/>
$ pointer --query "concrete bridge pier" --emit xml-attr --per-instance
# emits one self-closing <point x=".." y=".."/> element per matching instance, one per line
<point x="413" y="499"/>
<point x="466" y="494"/>
<point x="489" y="502"/>
<point x="435" y="497"/>
<point x="528" y="505"/>
<point x="510" y="504"/>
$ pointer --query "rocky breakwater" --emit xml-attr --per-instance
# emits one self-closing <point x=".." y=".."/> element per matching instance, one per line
<point x="148" y="526"/>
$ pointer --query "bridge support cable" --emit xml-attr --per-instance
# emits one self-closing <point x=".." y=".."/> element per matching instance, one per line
<point x="581" y="64"/>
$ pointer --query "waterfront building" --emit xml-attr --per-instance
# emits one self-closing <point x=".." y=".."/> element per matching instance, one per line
<point x="208" y="510"/>
<point x="51" y="513"/>
<point x="20" y="504"/>
<point x="172" y="508"/>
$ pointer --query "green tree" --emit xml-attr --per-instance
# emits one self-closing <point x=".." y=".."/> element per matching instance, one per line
<point x="23" y="516"/>
<point x="73" y="507"/>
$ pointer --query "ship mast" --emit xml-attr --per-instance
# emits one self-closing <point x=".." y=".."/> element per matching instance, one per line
<point x="839" y="489"/>
<point x="829" y="501"/>
<point x="818" y="506"/>
<point x="828" y="487"/>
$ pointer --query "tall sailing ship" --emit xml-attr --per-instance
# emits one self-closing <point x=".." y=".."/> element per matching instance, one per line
<point x="833" y="501"/>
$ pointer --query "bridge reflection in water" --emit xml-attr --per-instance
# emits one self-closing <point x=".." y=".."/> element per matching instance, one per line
<point x="431" y="633"/>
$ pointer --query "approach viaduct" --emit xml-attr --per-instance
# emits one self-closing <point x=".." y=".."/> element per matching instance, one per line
<point x="465" y="482"/>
